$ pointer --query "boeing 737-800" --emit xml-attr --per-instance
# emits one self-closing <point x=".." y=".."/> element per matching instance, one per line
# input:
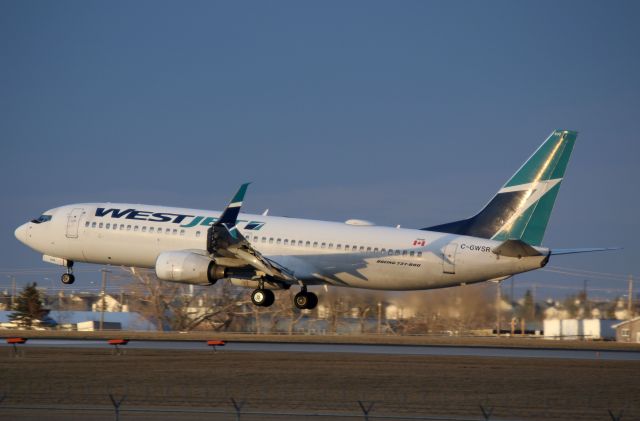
<point x="268" y="252"/>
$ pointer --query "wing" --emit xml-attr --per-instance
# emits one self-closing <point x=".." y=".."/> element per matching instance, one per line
<point x="225" y="240"/>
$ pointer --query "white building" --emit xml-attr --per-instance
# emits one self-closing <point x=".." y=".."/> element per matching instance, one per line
<point x="579" y="329"/>
<point x="111" y="305"/>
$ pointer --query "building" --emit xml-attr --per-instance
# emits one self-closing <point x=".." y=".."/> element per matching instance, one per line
<point x="69" y="320"/>
<point x="579" y="329"/>
<point x="628" y="331"/>
<point x="111" y="305"/>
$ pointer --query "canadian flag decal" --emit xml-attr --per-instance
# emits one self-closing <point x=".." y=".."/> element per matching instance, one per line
<point x="419" y="242"/>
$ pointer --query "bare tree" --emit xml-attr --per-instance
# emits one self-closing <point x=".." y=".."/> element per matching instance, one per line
<point x="169" y="306"/>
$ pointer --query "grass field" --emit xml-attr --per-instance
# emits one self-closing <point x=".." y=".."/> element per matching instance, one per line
<point x="313" y="383"/>
<point x="515" y="342"/>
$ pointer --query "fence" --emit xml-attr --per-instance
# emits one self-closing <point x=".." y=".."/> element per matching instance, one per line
<point x="33" y="400"/>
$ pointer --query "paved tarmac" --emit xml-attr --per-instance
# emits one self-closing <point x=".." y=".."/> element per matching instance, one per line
<point x="352" y="349"/>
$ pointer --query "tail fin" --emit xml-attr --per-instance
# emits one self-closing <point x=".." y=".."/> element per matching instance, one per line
<point x="521" y="209"/>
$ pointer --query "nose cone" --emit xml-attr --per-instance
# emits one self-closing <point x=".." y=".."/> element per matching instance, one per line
<point x="21" y="233"/>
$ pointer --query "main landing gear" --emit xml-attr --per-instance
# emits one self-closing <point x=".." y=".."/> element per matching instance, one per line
<point x="305" y="300"/>
<point x="262" y="297"/>
<point x="68" y="278"/>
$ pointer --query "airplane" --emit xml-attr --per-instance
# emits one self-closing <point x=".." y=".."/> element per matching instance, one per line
<point x="269" y="252"/>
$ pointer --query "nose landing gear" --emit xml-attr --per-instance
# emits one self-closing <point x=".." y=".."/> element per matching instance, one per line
<point x="68" y="278"/>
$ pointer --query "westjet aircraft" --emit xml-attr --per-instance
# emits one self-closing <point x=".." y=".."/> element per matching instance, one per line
<point x="268" y="252"/>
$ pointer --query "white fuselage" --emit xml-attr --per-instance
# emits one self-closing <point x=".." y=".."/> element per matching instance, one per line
<point x="318" y="252"/>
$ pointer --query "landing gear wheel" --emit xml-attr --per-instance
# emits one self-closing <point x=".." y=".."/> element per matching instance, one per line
<point x="313" y="301"/>
<point x="67" y="278"/>
<point x="305" y="300"/>
<point x="262" y="297"/>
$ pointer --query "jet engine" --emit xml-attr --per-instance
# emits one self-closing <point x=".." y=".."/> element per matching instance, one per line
<point x="189" y="268"/>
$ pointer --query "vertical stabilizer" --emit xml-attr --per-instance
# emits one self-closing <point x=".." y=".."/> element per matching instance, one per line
<point x="521" y="208"/>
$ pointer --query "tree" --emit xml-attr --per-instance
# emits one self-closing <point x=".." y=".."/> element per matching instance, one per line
<point x="169" y="307"/>
<point x="28" y="307"/>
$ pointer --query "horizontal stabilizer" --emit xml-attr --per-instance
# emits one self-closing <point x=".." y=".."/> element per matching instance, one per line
<point x="557" y="252"/>
<point x="515" y="248"/>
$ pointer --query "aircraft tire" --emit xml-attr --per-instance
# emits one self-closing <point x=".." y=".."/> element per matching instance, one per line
<point x="313" y="301"/>
<point x="67" y="278"/>
<point x="270" y="298"/>
<point x="262" y="297"/>
<point x="301" y="300"/>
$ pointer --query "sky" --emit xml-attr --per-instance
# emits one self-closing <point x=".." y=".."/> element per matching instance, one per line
<point x="411" y="113"/>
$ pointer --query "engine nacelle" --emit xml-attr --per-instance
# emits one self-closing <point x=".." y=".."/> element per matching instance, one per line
<point x="188" y="267"/>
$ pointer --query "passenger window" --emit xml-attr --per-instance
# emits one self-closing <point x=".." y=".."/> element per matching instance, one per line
<point x="167" y="231"/>
<point x="397" y="252"/>
<point x="390" y="252"/>
<point x="128" y="227"/>
<point x="339" y="247"/>
<point x="315" y="244"/>
<point x="100" y="225"/>
<point x="135" y="228"/>
<point x="175" y="232"/>
<point x="307" y="244"/>
<point x="151" y="230"/>
<point x="368" y="249"/>
<point x="197" y="233"/>
<point x="93" y="225"/>
<point x="86" y="224"/>
<point x="107" y="225"/>
<point x="419" y="254"/>
<point x="375" y="250"/>
<point x="346" y="247"/>
<point x="270" y="240"/>
<point x="404" y="252"/>
<point x="278" y="241"/>
<point x="323" y="245"/>
<point x="182" y="232"/>
<point x="115" y="226"/>
<point x="361" y="248"/>
<point x="264" y="239"/>
<point x="299" y="243"/>
<point x="286" y="242"/>
<point x="330" y="245"/>
<point x="383" y="251"/>
<point x="144" y="228"/>
<point x="412" y="253"/>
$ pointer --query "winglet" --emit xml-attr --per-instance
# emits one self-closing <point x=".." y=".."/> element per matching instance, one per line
<point x="230" y="214"/>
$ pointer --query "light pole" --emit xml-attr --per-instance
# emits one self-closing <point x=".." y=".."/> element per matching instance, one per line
<point x="103" y="293"/>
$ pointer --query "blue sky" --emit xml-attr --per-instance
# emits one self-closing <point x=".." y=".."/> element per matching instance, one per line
<point x="411" y="113"/>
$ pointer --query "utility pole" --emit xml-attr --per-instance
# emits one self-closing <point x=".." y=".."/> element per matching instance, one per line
<point x="13" y="290"/>
<point x="630" y="298"/>
<point x="498" y="300"/>
<point x="103" y="301"/>
<point x="379" y="317"/>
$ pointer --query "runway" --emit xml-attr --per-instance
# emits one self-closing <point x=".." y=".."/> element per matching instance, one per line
<point x="413" y="350"/>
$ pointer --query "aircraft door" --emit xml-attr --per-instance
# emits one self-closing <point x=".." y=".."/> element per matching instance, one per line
<point x="73" y="221"/>
<point x="449" y="258"/>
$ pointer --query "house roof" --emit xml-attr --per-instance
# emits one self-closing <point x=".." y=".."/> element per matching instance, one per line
<point x="635" y="319"/>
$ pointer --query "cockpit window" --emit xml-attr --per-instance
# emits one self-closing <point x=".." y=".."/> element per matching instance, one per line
<point x="43" y="218"/>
